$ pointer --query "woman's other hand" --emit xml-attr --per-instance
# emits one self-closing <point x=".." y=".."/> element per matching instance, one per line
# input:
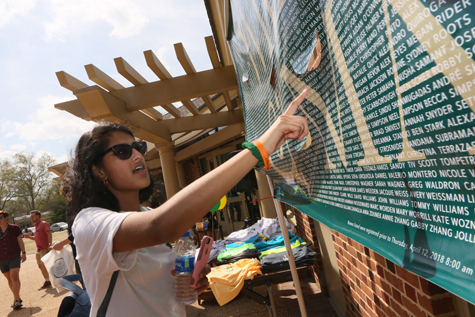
<point x="203" y="283"/>
<point x="287" y="126"/>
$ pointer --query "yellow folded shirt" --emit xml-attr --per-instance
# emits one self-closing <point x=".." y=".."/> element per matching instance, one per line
<point x="226" y="281"/>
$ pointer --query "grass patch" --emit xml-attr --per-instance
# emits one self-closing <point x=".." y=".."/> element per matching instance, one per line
<point x="30" y="246"/>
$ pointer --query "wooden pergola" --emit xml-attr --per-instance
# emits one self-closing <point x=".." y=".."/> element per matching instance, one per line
<point x="210" y="100"/>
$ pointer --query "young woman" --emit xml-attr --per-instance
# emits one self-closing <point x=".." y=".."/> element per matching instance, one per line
<point x="110" y="180"/>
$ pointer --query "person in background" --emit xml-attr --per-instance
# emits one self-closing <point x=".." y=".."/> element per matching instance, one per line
<point x="58" y="246"/>
<point x="43" y="239"/>
<point x="113" y="232"/>
<point x="12" y="252"/>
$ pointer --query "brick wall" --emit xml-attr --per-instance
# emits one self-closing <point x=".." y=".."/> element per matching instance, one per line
<point x="373" y="285"/>
<point x="192" y="170"/>
<point x="306" y="230"/>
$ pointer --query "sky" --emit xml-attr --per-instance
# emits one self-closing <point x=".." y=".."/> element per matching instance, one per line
<point x="40" y="37"/>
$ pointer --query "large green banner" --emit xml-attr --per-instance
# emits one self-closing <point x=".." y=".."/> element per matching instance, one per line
<point x="389" y="160"/>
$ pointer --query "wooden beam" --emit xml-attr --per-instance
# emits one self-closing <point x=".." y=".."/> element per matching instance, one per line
<point x="227" y="98"/>
<point x="190" y="136"/>
<point x="218" y="19"/>
<point x="209" y="103"/>
<point x="153" y="113"/>
<point x="156" y="66"/>
<point x="74" y="107"/>
<point x="187" y="65"/>
<point x="191" y="107"/>
<point x="178" y="88"/>
<point x="213" y="54"/>
<point x="100" y="104"/>
<point x="69" y="82"/>
<point x="176" y="136"/>
<point x="102" y="79"/>
<point x="129" y="72"/>
<point x="172" y="110"/>
<point x="214" y="140"/>
<point x="59" y="169"/>
<point x="184" y="59"/>
<point x="219" y="101"/>
<point x="204" y="121"/>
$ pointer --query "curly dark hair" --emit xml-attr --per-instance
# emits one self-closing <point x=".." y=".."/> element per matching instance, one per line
<point x="65" y="189"/>
<point x="86" y="190"/>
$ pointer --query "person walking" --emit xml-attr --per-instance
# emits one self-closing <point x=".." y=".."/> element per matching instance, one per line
<point x="12" y="252"/>
<point x="43" y="239"/>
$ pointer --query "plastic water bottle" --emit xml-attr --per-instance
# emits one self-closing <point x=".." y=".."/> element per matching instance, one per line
<point x="184" y="265"/>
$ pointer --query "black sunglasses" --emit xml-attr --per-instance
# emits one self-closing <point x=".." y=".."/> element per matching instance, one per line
<point x="124" y="151"/>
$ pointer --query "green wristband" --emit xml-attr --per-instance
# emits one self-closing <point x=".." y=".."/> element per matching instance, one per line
<point x="255" y="151"/>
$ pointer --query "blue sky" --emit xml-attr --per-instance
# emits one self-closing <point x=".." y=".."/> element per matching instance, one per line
<point x="40" y="37"/>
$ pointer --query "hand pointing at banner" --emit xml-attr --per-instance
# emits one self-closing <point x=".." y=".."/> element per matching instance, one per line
<point x="287" y="126"/>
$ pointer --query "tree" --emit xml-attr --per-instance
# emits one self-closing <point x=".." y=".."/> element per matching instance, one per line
<point x="7" y="188"/>
<point x="32" y="179"/>
<point x="16" y="208"/>
<point x="57" y="206"/>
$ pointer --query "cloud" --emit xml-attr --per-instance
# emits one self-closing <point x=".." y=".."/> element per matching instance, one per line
<point x="7" y="154"/>
<point x="10" y="9"/>
<point x="126" y="17"/>
<point x="18" y="147"/>
<point x="48" y="123"/>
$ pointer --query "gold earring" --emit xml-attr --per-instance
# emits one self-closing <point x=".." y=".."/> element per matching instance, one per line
<point x="105" y="182"/>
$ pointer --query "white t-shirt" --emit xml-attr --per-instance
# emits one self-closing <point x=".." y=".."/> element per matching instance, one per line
<point x="144" y="285"/>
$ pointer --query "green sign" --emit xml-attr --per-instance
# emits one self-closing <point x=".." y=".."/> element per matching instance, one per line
<point x="389" y="160"/>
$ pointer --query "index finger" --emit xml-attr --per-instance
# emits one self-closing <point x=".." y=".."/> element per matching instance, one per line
<point x="296" y="103"/>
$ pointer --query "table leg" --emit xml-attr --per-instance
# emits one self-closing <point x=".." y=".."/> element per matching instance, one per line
<point x="271" y="297"/>
<point x="270" y="311"/>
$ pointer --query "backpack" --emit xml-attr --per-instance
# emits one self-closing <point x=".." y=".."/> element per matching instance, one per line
<point x="78" y="304"/>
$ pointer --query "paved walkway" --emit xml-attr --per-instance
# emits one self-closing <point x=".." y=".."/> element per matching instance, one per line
<point x="35" y="303"/>
<point x="45" y="303"/>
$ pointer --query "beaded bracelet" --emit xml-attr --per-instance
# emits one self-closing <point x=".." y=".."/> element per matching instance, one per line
<point x="258" y="150"/>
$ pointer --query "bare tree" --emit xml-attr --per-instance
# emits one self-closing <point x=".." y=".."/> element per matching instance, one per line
<point x="33" y="180"/>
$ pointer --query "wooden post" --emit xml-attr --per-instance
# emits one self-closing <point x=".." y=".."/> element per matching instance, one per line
<point x="290" y="255"/>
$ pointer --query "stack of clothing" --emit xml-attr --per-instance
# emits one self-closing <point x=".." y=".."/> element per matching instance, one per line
<point x="267" y="227"/>
<point x="237" y="256"/>
<point x="237" y="252"/>
<point x="240" y="250"/>
<point x="303" y="256"/>
<point x="271" y="252"/>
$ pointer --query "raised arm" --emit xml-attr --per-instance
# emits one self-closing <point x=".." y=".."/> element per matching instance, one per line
<point x="169" y="221"/>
